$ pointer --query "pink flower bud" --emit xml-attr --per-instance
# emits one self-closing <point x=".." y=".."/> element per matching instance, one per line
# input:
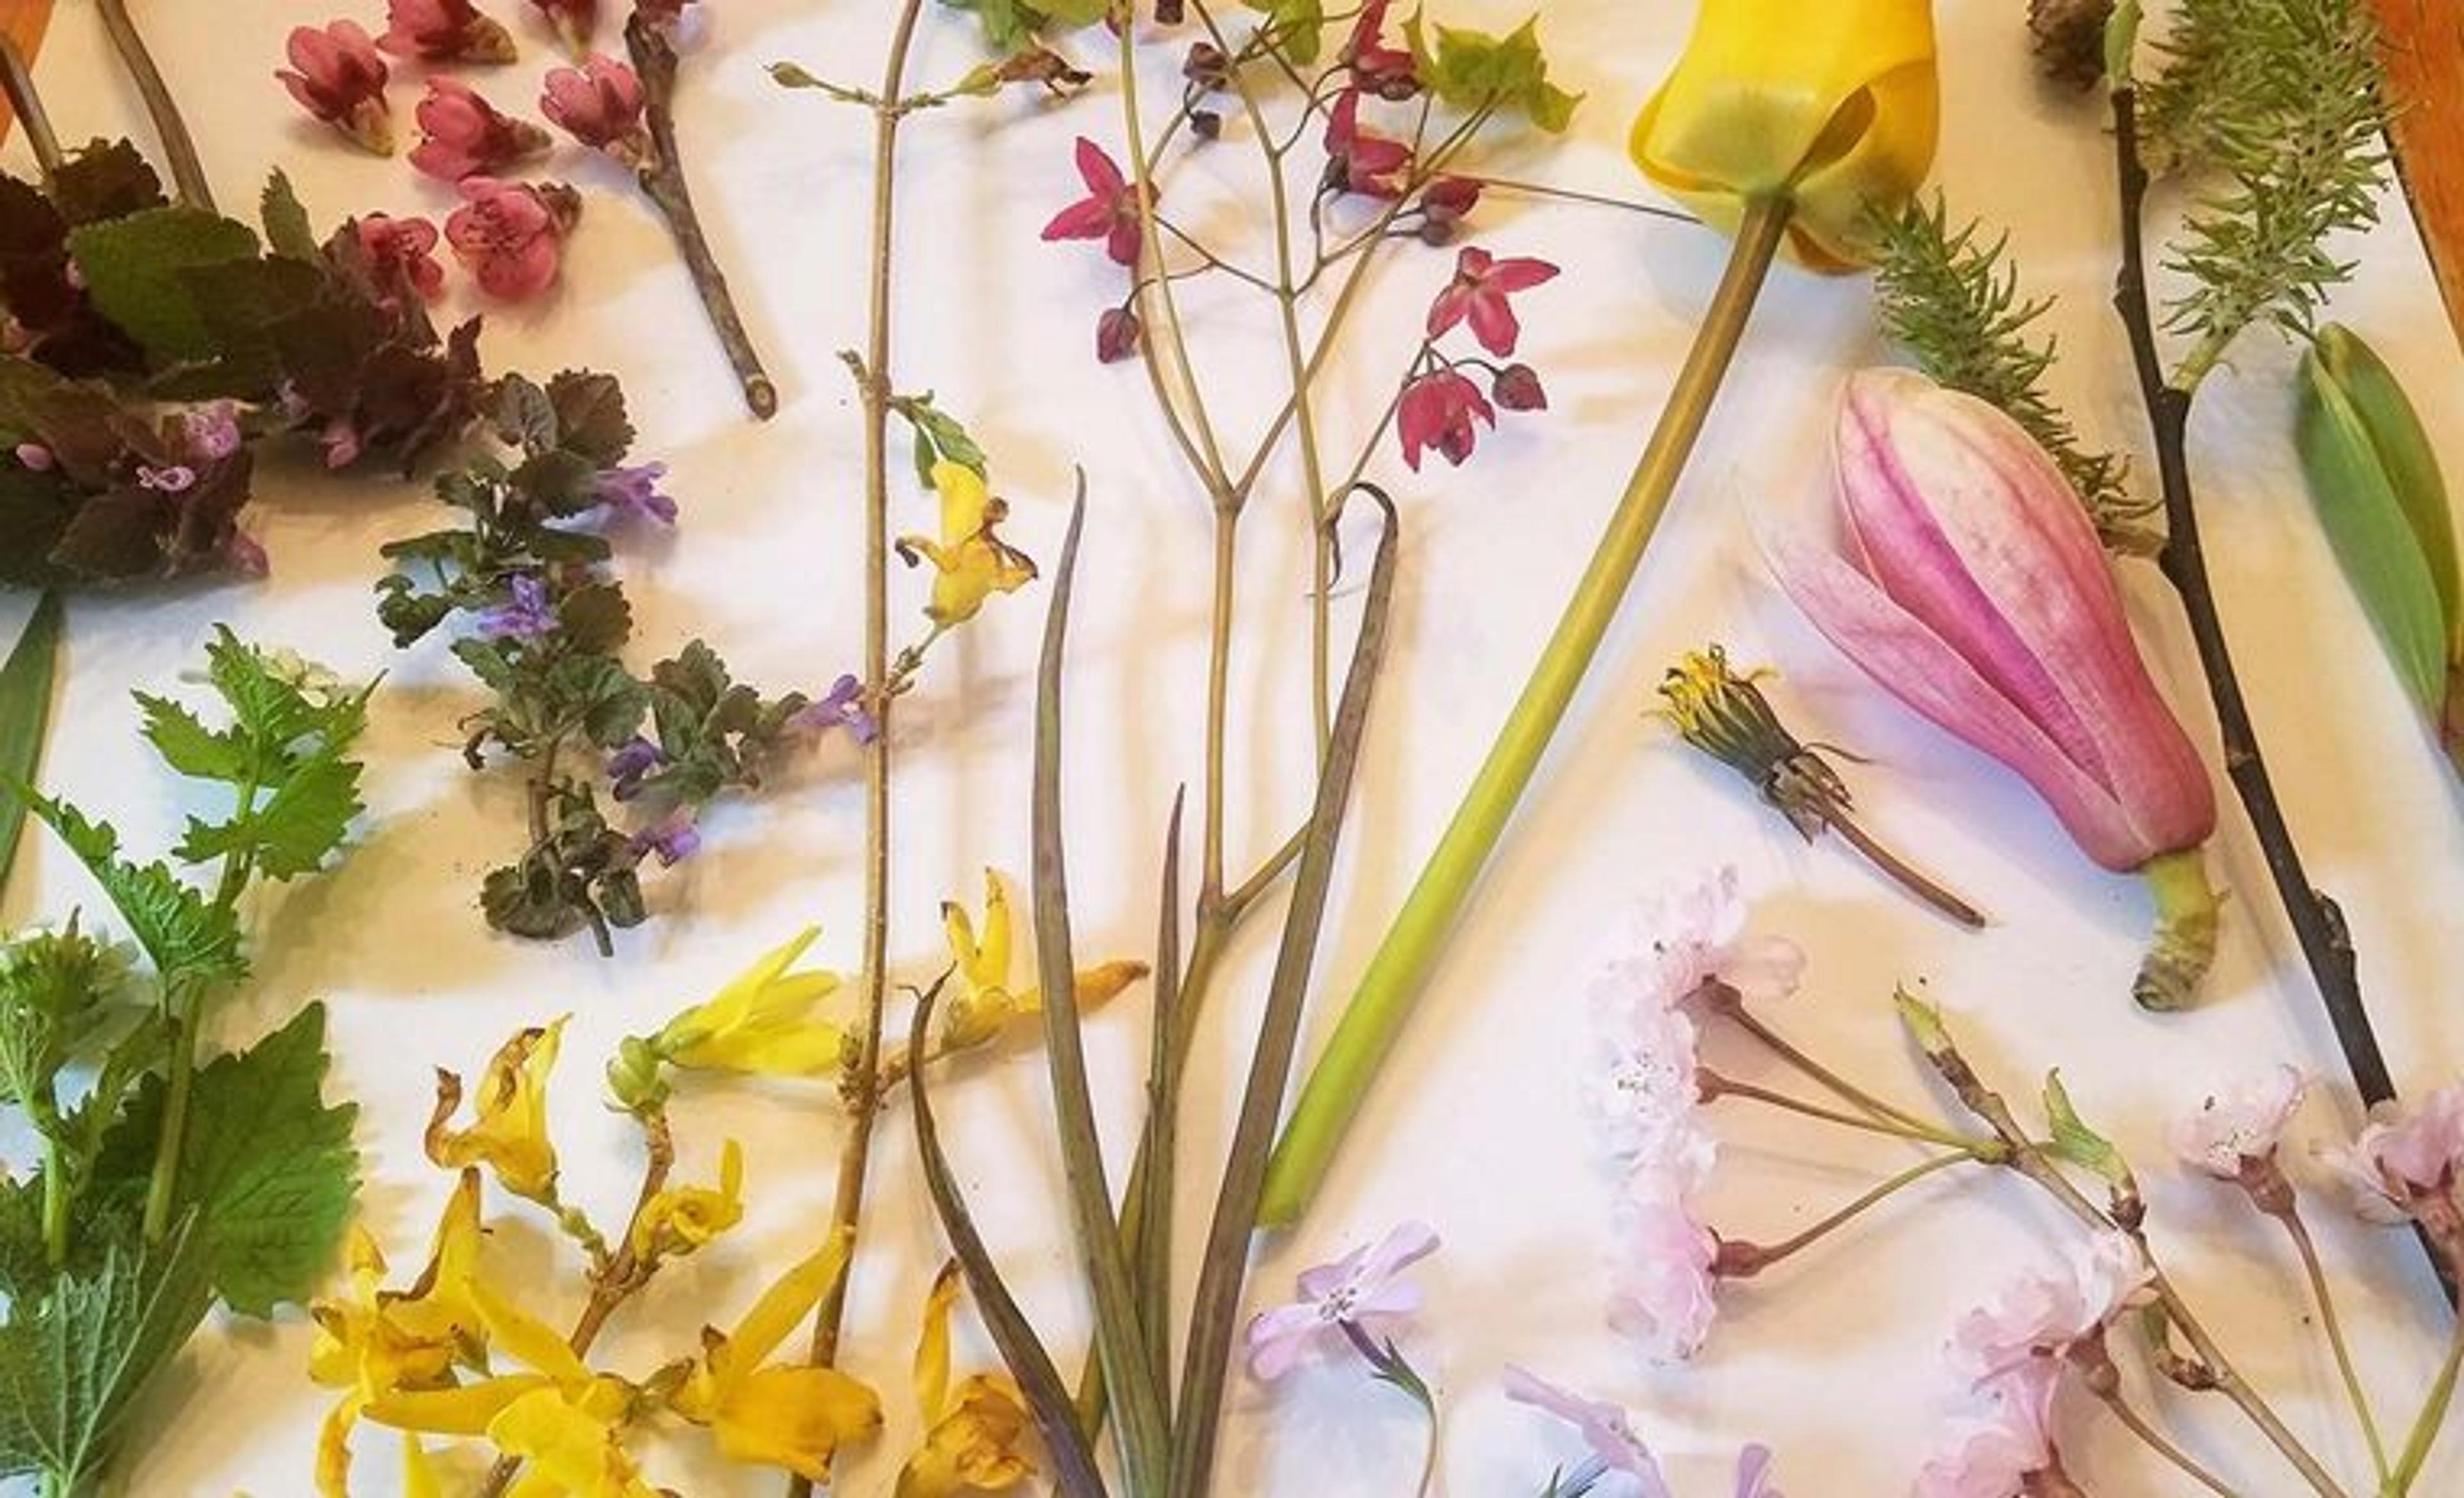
<point x="599" y="104"/>
<point x="338" y="76"/>
<point x="462" y="135"/>
<point x="512" y="235"/>
<point x="1117" y="334"/>
<point x="1975" y="591"/>
<point x="443" y="31"/>
<point x="1518" y="389"/>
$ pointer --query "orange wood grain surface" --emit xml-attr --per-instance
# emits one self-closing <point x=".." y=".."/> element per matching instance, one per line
<point x="25" y="21"/>
<point x="2423" y="44"/>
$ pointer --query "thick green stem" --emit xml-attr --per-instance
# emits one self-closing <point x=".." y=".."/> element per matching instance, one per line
<point x="1339" y="1082"/>
<point x="2185" y="943"/>
<point x="55" y="1203"/>
<point x="162" y="1189"/>
<point x="2431" y="1419"/>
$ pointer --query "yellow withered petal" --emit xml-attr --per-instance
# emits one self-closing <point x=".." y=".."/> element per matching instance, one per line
<point x="970" y="560"/>
<point x="508" y="1135"/>
<point x="1834" y="105"/>
<point x="793" y="1418"/>
<point x="682" y="1220"/>
<point x="978" y="1446"/>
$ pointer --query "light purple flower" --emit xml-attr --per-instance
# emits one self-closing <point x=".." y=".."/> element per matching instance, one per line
<point x="2042" y="1314"/>
<point x="1363" y="1286"/>
<point x="1664" y="1283"/>
<point x="840" y="707"/>
<point x="671" y="839"/>
<point x="528" y="615"/>
<point x="1995" y="1457"/>
<point x="635" y="492"/>
<point x="1753" y="1473"/>
<point x="2242" y="1125"/>
<point x="629" y="763"/>
<point x="1615" y="1447"/>
<point x="2404" y="1160"/>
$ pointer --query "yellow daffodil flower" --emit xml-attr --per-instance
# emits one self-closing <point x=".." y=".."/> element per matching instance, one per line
<point x="975" y="1435"/>
<point x="510" y="1135"/>
<point x="759" y="1023"/>
<point x="682" y="1220"/>
<point x="789" y="1416"/>
<point x="1832" y="104"/>
<point x="971" y="563"/>
<point x="985" y="1005"/>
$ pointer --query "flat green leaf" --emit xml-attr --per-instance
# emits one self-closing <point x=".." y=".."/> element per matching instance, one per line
<point x="188" y="745"/>
<point x="133" y="269"/>
<point x="265" y="1164"/>
<point x="24" y="713"/>
<point x="183" y="933"/>
<point x="591" y="416"/>
<point x="106" y="179"/>
<point x="287" y="233"/>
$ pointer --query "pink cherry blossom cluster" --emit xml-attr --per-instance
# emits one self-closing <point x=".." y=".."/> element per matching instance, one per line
<point x="511" y="234"/>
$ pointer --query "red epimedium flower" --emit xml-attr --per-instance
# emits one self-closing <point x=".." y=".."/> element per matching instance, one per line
<point x="462" y="135"/>
<point x="338" y="75"/>
<point x="1387" y="70"/>
<point x="1357" y="160"/>
<point x="1440" y="410"/>
<point x="443" y="31"/>
<point x="512" y="235"/>
<point x="1477" y="294"/>
<point x="1108" y="211"/>
<point x="599" y="104"/>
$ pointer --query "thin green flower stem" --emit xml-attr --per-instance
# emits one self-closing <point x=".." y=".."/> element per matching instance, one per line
<point x="18" y="79"/>
<point x="1209" y="261"/>
<point x="2432" y="1419"/>
<point x="2162" y="1445"/>
<point x="187" y="172"/>
<point x="856" y="1158"/>
<point x="1542" y="190"/>
<point x="184" y="1005"/>
<point x="1769" y="1254"/>
<point x="1725" y="1087"/>
<point x="1151" y="248"/>
<point x="1838" y="1085"/>
<point x="2334" y="1325"/>
<point x="1219" y="679"/>
<point x="1339" y="1083"/>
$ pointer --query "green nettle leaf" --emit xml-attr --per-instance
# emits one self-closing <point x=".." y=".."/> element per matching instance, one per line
<point x="1472" y="69"/>
<point x="268" y="708"/>
<point x="25" y="712"/>
<point x="299" y="825"/>
<point x="2383" y="502"/>
<point x="267" y="1166"/>
<point x="74" y="1358"/>
<point x="188" y="745"/>
<point x="184" y="934"/>
<point x="939" y="435"/>
<point x="133" y="269"/>
<point x="287" y="231"/>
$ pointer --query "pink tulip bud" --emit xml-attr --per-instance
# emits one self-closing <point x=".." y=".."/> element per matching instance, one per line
<point x="338" y="75"/>
<point x="1973" y="589"/>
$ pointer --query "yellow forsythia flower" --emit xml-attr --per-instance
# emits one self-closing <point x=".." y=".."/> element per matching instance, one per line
<point x="680" y="1219"/>
<point x="510" y="1135"/>
<point x="789" y="1416"/>
<point x="971" y="562"/>
<point x="757" y="1023"/>
<point x="1832" y="102"/>
<point x="985" y="1005"/>
<point x="975" y="1437"/>
<point x="570" y="1446"/>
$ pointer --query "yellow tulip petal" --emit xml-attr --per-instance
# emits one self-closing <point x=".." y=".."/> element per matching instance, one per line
<point x="997" y="930"/>
<point x="334" y="1448"/>
<point x="527" y="1340"/>
<point x="510" y="1133"/>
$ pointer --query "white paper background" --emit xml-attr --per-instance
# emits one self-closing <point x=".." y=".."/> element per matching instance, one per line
<point x="1834" y="1359"/>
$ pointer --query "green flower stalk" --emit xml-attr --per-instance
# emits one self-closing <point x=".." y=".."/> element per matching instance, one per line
<point x="1787" y="128"/>
<point x="1726" y="716"/>
<point x="2383" y="500"/>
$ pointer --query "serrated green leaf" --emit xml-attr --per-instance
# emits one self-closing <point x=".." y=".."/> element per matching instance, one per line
<point x="25" y="714"/>
<point x="287" y="231"/>
<point x="299" y="825"/>
<point x="133" y="269"/>
<point x="188" y="745"/>
<point x="268" y="708"/>
<point x="184" y="934"/>
<point x="73" y="1359"/>
<point x="1473" y="70"/>
<point x="267" y="1166"/>
<point x="107" y="179"/>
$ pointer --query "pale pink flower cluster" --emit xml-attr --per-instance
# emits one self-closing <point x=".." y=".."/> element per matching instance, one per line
<point x="2406" y="1164"/>
<point x="1644" y="1098"/>
<point x="2239" y="1129"/>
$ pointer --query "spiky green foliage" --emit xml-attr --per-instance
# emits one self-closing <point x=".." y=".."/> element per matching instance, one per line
<point x="1952" y="299"/>
<point x="2281" y="101"/>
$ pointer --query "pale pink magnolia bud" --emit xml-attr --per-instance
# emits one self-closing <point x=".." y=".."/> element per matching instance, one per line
<point x="599" y="104"/>
<point x="338" y="75"/>
<point x="1974" y="590"/>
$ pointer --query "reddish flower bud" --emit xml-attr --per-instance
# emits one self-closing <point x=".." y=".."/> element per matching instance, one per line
<point x="1119" y="333"/>
<point x="338" y="76"/>
<point x="462" y="135"/>
<point x="443" y="31"/>
<point x="1206" y="67"/>
<point x="1517" y="387"/>
<point x="599" y="104"/>
<point x="512" y="235"/>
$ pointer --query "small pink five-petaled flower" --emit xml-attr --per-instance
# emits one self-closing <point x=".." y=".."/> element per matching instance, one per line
<point x="1477" y="294"/>
<point x="2242" y="1126"/>
<point x="512" y="235"/>
<point x="1110" y="211"/>
<point x="1341" y="1300"/>
<point x="462" y="135"/>
<point x="2408" y="1162"/>
<point x="599" y="104"/>
<point x="338" y="75"/>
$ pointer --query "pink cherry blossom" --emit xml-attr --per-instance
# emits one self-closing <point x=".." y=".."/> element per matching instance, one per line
<point x="1996" y="1457"/>
<point x="1663" y="1295"/>
<point x="462" y="135"/>
<point x="1974" y="589"/>
<point x="1351" y="1294"/>
<point x="512" y="235"/>
<point x="401" y="254"/>
<point x="2240" y="1126"/>
<point x="599" y="104"/>
<point x="2407" y="1160"/>
<point x="574" y="20"/>
<point x="1438" y="409"/>
<point x="1110" y="211"/>
<point x="1644" y="1100"/>
<point x="1477" y="294"/>
<point x="1358" y="160"/>
<point x="338" y="76"/>
<point x="1692" y="935"/>
<point x="1614" y="1446"/>
<point x="443" y="31"/>
<point x="2042" y="1314"/>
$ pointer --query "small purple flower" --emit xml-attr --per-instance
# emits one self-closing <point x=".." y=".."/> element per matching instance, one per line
<point x="209" y="433"/>
<point x="671" y="839"/>
<point x="1615" y="1447"/>
<point x="528" y="615"/>
<point x="635" y="492"/>
<point x="36" y="456"/>
<point x="631" y="762"/>
<point x="840" y="707"/>
<point x="1340" y="1299"/>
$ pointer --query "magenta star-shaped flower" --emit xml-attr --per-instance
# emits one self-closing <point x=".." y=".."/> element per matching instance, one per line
<point x="1477" y="294"/>
<point x="1108" y="211"/>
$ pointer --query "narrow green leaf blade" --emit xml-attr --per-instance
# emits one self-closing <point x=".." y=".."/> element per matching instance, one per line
<point x="25" y="714"/>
